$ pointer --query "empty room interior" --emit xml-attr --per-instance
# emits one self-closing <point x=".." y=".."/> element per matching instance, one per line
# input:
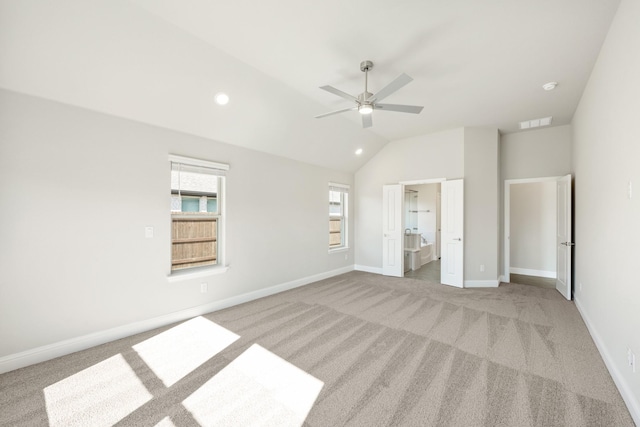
<point x="302" y="213"/>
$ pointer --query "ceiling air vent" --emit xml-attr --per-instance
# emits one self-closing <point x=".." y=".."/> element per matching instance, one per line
<point x="529" y="124"/>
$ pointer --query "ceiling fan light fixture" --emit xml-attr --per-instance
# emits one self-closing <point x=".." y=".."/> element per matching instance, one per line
<point x="365" y="109"/>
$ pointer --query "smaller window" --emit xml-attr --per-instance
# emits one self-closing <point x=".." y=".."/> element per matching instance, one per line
<point x="196" y="215"/>
<point x="338" y="208"/>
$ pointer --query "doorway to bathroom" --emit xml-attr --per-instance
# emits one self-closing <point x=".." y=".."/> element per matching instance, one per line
<point x="422" y="231"/>
<point x="400" y="240"/>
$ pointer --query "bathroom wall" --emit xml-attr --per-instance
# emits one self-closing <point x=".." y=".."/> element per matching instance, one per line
<point x="426" y="202"/>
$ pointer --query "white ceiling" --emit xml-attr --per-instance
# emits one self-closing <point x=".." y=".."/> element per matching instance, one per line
<point x="474" y="63"/>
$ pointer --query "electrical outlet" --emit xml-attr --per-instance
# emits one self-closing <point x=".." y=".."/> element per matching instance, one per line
<point x="631" y="359"/>
<point x="204" y="288"/>
<point x="481" y="267"/>
<point x="346" y="256"/>
<point x="148" y="232"/>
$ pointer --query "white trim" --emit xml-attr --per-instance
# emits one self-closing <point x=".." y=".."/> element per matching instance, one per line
<point x="365" y="268"/>
<point x="502" y="279"/>
<point x="186" y="274"/>
<point x="481" y="283"/>
<point x="506" y="231"/>
<point x="338" y="250"/>
<point x="198" y="162"/>
<point x="335" y="184"/>
<point x="423" y="181"/>
<point x="633" y="404"/>
<point x="530" y="272"/>
<point x="62" y="348"/>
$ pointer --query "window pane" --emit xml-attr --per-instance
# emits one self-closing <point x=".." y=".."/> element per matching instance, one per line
<point x="190" y="204"/>
<point x="176" y="204"/>
<point x="335" y="232"/>
<point x="212" y="204"/>
<point x="193" y="181"/>
<point x="335" y="203"/>
<point x="194" y="242"/>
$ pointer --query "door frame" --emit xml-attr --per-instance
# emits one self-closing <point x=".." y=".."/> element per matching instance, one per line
<point x="416" y="182"/>
<point x="506" y="229"/>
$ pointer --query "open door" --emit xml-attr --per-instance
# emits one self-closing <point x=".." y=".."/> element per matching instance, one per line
<point x="452" y="222"/>
<point x="392" y="248"/>
<point x="563" y="237"/>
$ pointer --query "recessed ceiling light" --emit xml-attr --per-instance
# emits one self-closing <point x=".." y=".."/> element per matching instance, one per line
<point x="550" y="86"/>
<point x="358" y="151"/>
<point x="221" y="98"/>
<point x="528" y="124"/>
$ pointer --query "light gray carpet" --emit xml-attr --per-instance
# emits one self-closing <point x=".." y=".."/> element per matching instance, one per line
<point x="385" y="352"/>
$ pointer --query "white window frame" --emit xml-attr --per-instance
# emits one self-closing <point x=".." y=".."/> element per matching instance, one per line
<point x="220" y="266"/>
<point x="344" y="190"/>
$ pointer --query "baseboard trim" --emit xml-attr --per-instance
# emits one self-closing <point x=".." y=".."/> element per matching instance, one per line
<point x="502" y="279"/>
<point x="62" y="348"/>
<point x="367" y="269"/>
<point x="530" y="272"/>
<point x="623" y="387"/>
<point x="481" y="283"/>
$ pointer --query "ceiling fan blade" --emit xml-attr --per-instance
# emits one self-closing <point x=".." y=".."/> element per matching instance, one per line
<point x="399" y="82"/>
<point x="367" y="121"/>
<point x="413" y="109"/>
<point x="336" y="112"/>
<point x="338" y="92"/>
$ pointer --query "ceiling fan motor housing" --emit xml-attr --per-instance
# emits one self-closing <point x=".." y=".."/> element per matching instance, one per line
<point x="366" y="66"/>
<point x="362" y="98"/>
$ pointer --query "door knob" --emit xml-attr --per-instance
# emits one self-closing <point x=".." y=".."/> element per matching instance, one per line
<point x="458" y="239"/>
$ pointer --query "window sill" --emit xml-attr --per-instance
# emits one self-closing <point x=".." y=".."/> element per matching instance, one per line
<point x="180" y="276"/>
<point x="338" y="250"/>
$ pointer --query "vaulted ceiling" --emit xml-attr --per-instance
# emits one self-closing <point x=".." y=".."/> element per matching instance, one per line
<point x="474" y="63"/>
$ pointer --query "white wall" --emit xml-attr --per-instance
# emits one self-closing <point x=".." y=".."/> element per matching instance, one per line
<point x="606" y="153"/>
<point x="536" y="153"/>
<point x="481" y="200"/>
<point x="438" y="155"/>
<point x="533" y="228"/>
<point x="77" y="190"/>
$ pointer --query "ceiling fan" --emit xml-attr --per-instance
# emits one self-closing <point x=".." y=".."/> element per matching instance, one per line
<point x="366" y="102"/>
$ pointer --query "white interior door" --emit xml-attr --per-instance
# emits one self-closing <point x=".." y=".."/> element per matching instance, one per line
<point x="392" y="248"/>
<point x="452" y="228"/>
<point x="563" y="237"/>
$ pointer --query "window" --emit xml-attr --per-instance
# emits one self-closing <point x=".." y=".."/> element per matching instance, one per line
<point x="197" y="218"/>
<point x="338" y="208"/>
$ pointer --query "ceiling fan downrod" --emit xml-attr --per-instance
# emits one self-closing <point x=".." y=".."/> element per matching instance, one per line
<point x="365" y="66"/>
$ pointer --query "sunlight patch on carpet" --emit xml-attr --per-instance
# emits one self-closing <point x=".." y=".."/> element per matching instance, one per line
<point x="176" y="352"/>
<point x="100" y="395"/>
<point x="257" y="388"/>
